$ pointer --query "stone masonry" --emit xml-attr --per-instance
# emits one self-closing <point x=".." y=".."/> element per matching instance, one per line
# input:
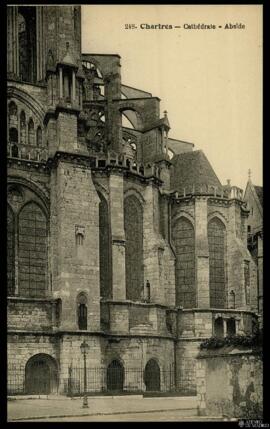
<point x="173" y="268"/>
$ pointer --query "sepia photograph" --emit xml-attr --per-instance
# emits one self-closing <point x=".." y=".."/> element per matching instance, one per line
<point x="135" y="213"/>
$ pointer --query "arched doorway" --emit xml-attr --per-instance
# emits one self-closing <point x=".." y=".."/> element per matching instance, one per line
<point x="152" y="376"/>
<point x="115" y="376"/>
<point x="41" y="375"/>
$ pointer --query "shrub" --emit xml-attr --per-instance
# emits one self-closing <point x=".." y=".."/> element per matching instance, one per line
<point x="235" y="340"/>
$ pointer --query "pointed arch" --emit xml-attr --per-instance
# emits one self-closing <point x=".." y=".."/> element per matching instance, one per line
<point x="133" y="224"/>
<point x="232" y="299"/>
<point x="12" y="111"/>
<point x="218" y="215"/>
<point x="82" y="310"/>
<point x="115" y="376"/>
<point x="152" y="376"/>
<point x="39" y="136"/>
<point x="27" y="39"/>
<point x="32" y="103"/>
<point x="40" y="192"/>
<point x="184" y="242"/>
<point x="216" y="243"/>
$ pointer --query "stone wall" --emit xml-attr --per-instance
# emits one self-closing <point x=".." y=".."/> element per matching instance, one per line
<point x="240" y="375"/>
<point x="186" y="355"/>
<point x="75" y="263"/>
<point x="200" y="323"/>
<point x="236" y="252"/>
<point x="21" y="347"/>
<point x="71" y="355"/>
<point x="30" y="314"/>
<point x="135" y="352"/>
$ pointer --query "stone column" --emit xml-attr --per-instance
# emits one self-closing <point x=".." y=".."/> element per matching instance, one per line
<point x="73" y="95"/>
<point x="162" y="140"/>
<point x="152" y="248"/>
<point x="236" y="251"/>
<point x="12" y="42"/>
<point x="16" y="42"/>
<point x="118" y="237"/>
<point x="166" y="142"/>
<point x="225" y="327"/>
<point x="9" y="40"/>
<point x="54" y="306"/>
<point x="40" y="48"/>
<point x="202" y="253"/>
<point x="61" y="82"/>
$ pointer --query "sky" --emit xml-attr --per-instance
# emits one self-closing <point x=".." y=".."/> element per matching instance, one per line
<point x="209" y="81"/>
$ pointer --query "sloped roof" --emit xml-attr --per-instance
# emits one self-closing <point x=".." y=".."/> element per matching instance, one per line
<point x="259" y="192"/>
<point x="192" y="168"/>
<point x="69" y="60"/>
<point x="163" y="122"/>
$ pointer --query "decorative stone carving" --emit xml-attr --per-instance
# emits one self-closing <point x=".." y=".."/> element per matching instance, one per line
<point x="80" y="230"/>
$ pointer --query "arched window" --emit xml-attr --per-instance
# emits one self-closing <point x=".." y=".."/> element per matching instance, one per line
<point x="67" y="84"/>
<point x="31" y="132"/>
<point x="133" y="222"/>
<point x="32" y="251"/>
<point x="39" y="136"/>
<point x="10" y="252"/>
<point x="184" y="239"/>
<point x="12" y="114"/>
<point x="232" y="299"/>
<point x="115" y="376"/>
<point x="27" y="43"/>
<point x="22" y="128"/>
<point x="105" y="267"/>
<point x="82" y="311"/>
<point x="12" y="109"/>
<point x="152" y="376"/>
<point x="219" y="328"/>
<point x="216" y="242"/>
